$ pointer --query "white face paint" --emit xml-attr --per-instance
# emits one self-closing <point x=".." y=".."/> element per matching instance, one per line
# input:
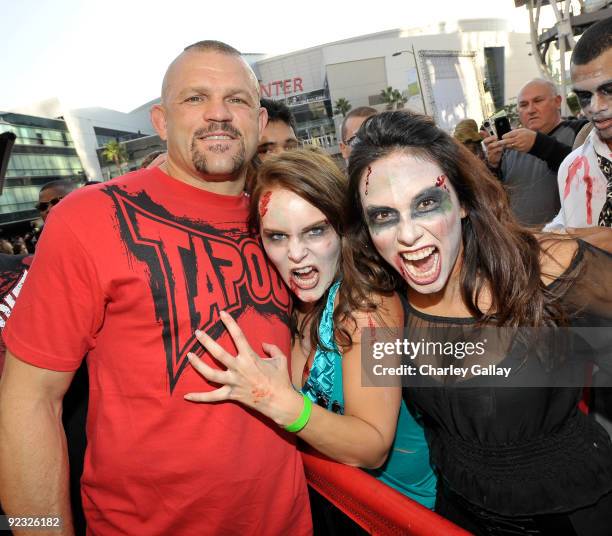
<point x="592" y="84"/>
<point x="414" y="218"/>
<point x="300" y="242"/>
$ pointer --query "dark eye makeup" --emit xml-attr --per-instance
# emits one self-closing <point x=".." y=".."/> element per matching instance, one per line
<point x="584" y="97"/>
<point x="428" y="201"/>
<point x="380" y="216"/>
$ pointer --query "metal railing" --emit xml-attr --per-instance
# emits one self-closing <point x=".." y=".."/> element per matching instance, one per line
<point x="326" y="141"/>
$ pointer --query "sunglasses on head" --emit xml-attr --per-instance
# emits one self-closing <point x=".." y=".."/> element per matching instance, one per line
<point x="41" y="207"/>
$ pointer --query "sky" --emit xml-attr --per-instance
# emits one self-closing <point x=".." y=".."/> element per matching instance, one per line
<point x="113" y="53"/>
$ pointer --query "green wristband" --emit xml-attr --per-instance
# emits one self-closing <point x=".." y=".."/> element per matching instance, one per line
<point x="304" y="417"/>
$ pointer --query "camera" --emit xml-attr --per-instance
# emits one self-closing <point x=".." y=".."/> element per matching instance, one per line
<point x="488" y="127"/>
<point x="497" y="125"/>
<point x="502" y="126"/>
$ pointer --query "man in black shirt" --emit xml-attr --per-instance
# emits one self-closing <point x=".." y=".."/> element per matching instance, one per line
<point x="527" y="159"/>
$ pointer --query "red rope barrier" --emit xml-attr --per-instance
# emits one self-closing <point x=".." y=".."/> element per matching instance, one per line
<point x="374" y="506"/>
<point x="585" y="402"/>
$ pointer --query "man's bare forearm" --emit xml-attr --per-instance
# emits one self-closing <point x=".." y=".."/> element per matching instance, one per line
<point x="33" y="454"/>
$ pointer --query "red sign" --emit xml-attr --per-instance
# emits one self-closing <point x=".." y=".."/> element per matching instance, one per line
<point x="281" y="87"/>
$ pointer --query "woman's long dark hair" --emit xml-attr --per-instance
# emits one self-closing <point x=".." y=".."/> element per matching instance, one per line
<point x="314" y="176"/>
<point x="498" y="254"/>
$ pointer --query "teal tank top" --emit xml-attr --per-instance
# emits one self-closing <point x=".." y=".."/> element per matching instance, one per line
<point x="407" y="468"/>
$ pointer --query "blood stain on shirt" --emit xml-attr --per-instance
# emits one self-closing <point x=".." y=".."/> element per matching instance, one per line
<point x="572" y="171"/>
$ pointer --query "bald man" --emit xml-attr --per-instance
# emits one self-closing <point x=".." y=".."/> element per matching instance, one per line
<point x="528" y="158"/>
<point x="126" y="272"/>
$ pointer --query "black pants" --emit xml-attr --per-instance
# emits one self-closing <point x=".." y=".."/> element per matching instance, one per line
<point x="327" y="520"/>
<point x="74" y="418"/>
<point x="594" y="520"/>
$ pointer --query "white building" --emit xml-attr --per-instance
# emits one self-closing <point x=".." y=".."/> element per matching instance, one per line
<point x="358" y="69"/>
<point x="54" y="142"/>
<point x="92" y="128"/>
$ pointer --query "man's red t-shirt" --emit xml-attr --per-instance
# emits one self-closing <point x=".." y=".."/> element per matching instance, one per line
<point x="125" y="272"/>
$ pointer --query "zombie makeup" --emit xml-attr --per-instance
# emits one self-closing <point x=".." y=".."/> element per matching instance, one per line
<point x="301" y="243"/>
<point x="431" y="202"/>
<point x="414" y="218"/>
<point x="585" y="97"/>
<point x="592" y="84"/>
<point x="428" y="203"/>
<point x="381" y="218"/>
<point x="263" y="204"/>
<point x="441" y="182"/>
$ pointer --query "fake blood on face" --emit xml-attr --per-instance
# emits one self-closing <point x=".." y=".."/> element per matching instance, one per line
<point x="293" y="287"/>
<point x="441" y="182"/>
<point x="263" y="204"/>
<point x="368" y="179"/>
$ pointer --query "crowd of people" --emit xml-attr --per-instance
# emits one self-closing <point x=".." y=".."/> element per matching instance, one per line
<point x="18" y="244"/>
<point x="217" y="305"/>
<point x="50" y="194"/>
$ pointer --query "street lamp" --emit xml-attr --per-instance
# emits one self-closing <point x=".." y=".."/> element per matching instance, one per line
<point x="416" y="65"/>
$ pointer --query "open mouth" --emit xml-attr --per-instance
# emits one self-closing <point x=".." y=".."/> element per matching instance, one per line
<point x="216" y="137"/>
<point x="305" y="278"/>
<point x="421" y="266"/>
<point x="602" y="124"/>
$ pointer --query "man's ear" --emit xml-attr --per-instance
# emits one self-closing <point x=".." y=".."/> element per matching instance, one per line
<point x="344" y="150"/>
<point x="263" y="120"/>
<point x="158" y="119"/>
<point x="558" y="100"/>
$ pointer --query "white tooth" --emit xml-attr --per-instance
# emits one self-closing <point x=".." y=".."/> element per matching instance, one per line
<point x="426" y="252"/>
<point x="218" y="138"/>
<point x="423" y="275"/>
<point x="304" y="270"/>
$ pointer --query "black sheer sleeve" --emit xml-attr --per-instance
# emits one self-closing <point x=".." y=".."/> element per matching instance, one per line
<point x="590" y="297"/>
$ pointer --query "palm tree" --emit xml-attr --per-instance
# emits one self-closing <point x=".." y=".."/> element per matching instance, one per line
<point x="399" y="99"/>
<point x="116" y="153"/>
<point x="388" y="97"/>
<point x="342" y="106"/>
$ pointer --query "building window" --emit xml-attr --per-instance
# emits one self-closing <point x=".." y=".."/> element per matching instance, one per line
<point x="39" y="139"/>
<point x="494" y="61"/>
<point x="32" y="165"/>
